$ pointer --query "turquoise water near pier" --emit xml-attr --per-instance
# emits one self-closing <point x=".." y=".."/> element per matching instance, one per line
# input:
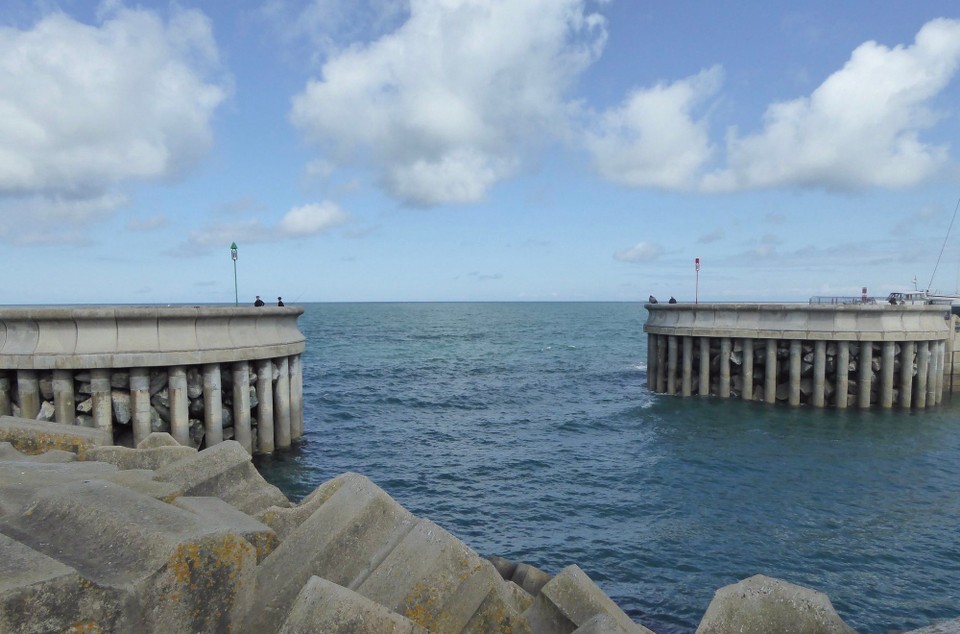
<point x="527" y="430"/>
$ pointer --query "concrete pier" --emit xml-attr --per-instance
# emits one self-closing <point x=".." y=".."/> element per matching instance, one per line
<point x="181" y="369"/>
<point x="822" y="355"/>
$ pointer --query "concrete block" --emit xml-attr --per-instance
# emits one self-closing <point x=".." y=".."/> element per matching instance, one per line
<point x="600" y="624"/>
<point x="143" y="482"/>
<point x="504" y="566"/>
<point x="435" y="580"/>
<point x="530" y="578"/>
<point x="39" y="594"/>
<point x="33" y="437"/>
<point x="500" y="612"/>
<point x="222" y="516"/>
<point x="343" y="540"/>
<point x="762" y="604"/>
<point x="158" y="439"/>
<point x="224" y="471"/>
<point x="157" y="567"/>
<point x="9" y="453"/>
<point x="570" y="600"/>
<point x="323" y="606"/>
<point x="20" y="481"/>
<point x="146" y="458"/>
<point x="284" y="520"/>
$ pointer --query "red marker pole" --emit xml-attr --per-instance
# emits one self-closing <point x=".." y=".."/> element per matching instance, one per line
<point x="696" y="297"/>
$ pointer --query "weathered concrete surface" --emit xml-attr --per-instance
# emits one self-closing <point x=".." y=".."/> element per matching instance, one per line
<point x="570" y="600"/>
<point x="761" y="604"/>
<point x="146" y="458"/>
<point x="219" y="515"/>
<point x="8" y="452"/>
<point x="153" y="564"/>
<point x="33" y="437"/>
<point x="323" y="606"/>
<point x="224" y="471"/>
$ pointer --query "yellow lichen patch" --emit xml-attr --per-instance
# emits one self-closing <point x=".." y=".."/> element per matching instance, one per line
<point x="84" y="627"/>
<point x="422" y="604"/>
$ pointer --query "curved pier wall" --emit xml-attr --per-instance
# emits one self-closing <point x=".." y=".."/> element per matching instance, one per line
<point x="202" y="373"/>
<point x="820" y="355"/>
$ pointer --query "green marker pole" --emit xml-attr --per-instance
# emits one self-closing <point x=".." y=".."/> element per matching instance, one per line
<point x="233" y="254"/>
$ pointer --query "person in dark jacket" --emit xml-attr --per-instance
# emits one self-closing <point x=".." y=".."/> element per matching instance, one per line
<point x="653" y="300"/>
<point x="279" y="301"/>
<point x="259" y="301"/>
<point x="672" y="300"/>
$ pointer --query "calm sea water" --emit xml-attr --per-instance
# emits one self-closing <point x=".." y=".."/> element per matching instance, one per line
<point x="527" y="430"/>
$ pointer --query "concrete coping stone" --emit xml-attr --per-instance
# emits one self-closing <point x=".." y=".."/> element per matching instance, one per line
<point x="34" y="437"/>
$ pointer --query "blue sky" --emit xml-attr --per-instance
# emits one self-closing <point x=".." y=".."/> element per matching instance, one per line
<point x="422" y="150"/>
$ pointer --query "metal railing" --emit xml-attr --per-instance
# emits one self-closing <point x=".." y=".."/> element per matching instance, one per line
<point x="837" y="299"/>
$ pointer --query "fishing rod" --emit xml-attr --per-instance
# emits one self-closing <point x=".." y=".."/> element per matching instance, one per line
<point x="945" y="238"/>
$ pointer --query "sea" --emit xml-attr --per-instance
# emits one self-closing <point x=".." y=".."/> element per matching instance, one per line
<point x="527" y="430"/>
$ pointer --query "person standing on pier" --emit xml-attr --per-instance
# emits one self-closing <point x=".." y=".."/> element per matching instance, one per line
<point x="259" y="301"/>
<point x="279" y="301"/>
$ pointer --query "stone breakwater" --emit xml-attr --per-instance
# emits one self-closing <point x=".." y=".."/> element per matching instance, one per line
<point x="164" y="538"/>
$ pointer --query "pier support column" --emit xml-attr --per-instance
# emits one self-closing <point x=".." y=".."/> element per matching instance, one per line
<point x="843" y="374"/>
<point x="941" y="366"/>
<point x="923" y="369"/>
<point x="888" y="353"/>
<point x="795" y="350"/>
<point x="64" y="399"/>
<point x="770" y="373"/>
<point x="241" y="405"/>
<point x="726" y="345"/>
<point x="686" y="381"/>
<point x="932" y="374"/>
<point x="704" y="387"/>
<point x="140" y="403"/>
<point x="265" y="406"/>
<point x="671" y="365"/>
<point x="179" y="405"/>
<point x="281" y="405"/>
<point x="819" y="373"/>
<point x="907" y="351"/>
<point x="212" y="405"/>
<point x="747" y="370"/>
<point x="652" y="362"/>
<point x="661" y="363"/>
<point x="296" y="397"/>
<point x="5" y="402"/>
<point x="28" y="391"/>
<point x="865" y="375"/>
<point x="102" y="402"/>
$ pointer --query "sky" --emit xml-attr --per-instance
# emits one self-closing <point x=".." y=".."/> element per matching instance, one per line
<point x="477" y="150"/>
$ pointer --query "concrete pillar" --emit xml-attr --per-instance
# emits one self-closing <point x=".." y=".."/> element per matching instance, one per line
<point x="671" y="365"/>
<point x="265" y="406"/>
<point x="725" y="346"/>
<point x="843" y="374"/>
<point x="686" y="382"/>
<point x="770" y="373"/>
<point x="241" y="405"/>
<point x="865" y="374"/>
<point x="179" y="404"/>
<point x="923" y="369"/>
<point x="652" y="362"/>
<point x="932" y="374"/>
<point x="704" y="388"/>
<point x="907" y="351"/>
<point x="281" y="405"/>
<point x="5" y="401"/>
<point x="212" y="405"/>
<point x="795" y="351"/>
<point x="28" y="391"/>
<point x="64" y="399"/>
<point x="941" y="367"/>
<point x="140" y="403"/>
<point x="888" y="353"/>
<point x="296" y="397"/>
<point x="102" y="402"/>
<point x="661" y="363"/>
<point x="819" y="373"/>
<point x="747" y="369"/>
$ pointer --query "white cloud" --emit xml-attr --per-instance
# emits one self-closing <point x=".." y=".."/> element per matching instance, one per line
<point x="85" y="109"/>
<point x="298" y="222"/>
<point x="311" y="219"/>
<point x="451" y="102"/>
<point x="860" y="128"/>
<point x="643" y="252"/>
<point x="652" y="139"/>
